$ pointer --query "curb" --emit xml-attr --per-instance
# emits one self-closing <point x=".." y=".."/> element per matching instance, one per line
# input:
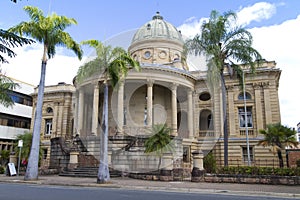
<point x="43" y="181"/>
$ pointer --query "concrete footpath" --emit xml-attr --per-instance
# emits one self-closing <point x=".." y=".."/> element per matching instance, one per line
<point x="134" y="184"/>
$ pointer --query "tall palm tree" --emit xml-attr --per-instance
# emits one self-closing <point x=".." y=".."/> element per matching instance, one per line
<point x="159" y="142"/>
<point x="224" y="44"/>
<point x="278" y="137"/>
<point x="112" y="64"/>
<point x="48" y="30"/>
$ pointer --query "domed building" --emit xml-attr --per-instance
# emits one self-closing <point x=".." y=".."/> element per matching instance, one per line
<point x="165" y="91"/>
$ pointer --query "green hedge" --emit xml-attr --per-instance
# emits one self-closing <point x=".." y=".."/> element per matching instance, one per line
<point x="245" y="170"/>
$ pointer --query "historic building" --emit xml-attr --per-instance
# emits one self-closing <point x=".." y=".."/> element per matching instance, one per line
<point x="164" y="91"/>
<point x="16" y="120"/>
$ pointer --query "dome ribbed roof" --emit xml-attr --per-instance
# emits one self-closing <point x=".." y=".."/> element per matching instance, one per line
<point x="157" y="28"/>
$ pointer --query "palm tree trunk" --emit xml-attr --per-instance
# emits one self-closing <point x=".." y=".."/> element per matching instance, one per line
<point x="279" y="154"/>
<point x="33" y="160"/>
<point x="225" y="131"/>
<point x="103" y="172"/>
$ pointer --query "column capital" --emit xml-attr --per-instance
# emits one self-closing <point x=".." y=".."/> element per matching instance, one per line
<point x="257" y="85"/>
<point x="150" y="82"/>
<point x="173" y="86"/>
<point x="230" y="87"/>
<point x="265" y="85"/>
<point x="95" y="83"/>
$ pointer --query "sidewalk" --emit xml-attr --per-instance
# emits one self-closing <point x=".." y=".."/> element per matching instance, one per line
<point x="134" y="184"/>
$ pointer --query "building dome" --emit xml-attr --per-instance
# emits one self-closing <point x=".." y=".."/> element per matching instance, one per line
<point x="158" y="42"/>
<point x="157" y="28"/>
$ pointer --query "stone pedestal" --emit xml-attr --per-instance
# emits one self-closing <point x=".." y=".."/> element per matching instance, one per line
<point x="13" y="159"/>
<point x="73" y="163"/>
<point x="166" y="173"/>
<point x="198" y="170"/>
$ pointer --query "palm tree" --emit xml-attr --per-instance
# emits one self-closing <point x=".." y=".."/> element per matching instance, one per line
<point x="278" y="137"/>
<point x="159" y="142"/>
<point x="224" y="44"/>
<point x="6" y="86"/>
<point x="10" y="40"/>
<point x="113" y="65"/>
<point x="50" y="32"/>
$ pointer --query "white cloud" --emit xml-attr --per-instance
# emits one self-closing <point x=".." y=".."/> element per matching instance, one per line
<point x="278" y="42"/>
<point x="257" y="12"/>
<point x="191" y="27"/>
<point x="281" y="43"/>
<point x="26" y="66"/>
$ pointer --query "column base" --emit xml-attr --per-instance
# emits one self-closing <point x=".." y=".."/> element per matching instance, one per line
<point x="166" y="175"/>
<point x="197" y="174"/>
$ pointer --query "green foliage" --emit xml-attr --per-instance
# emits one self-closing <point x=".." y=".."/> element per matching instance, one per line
<point x="10" y="40"/>
<point x="209" y="163"/>
<point x="257" y="171"/>
<point x="110" y="62"/>
<point x="2" y="169"/>
<point x="278" y="137"/>
<point x="25" y="150"/>
<point x="160" y="141"/>
<point x="48" y="30"/>
<point x="4" y="157"/>
<point x="6" y="86"/>
<point x="225" y="44"/>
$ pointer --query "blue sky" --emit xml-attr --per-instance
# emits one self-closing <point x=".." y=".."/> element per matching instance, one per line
<point x="275" y="26"/>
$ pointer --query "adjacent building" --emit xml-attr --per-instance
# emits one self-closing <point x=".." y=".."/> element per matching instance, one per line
<point x="16" y="120"/>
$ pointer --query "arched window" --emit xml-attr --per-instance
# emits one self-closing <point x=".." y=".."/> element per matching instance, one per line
<point x="49" y="110"/>
<point x="241" y="96"/>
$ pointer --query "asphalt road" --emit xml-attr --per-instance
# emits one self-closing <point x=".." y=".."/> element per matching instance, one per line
<point x="9" y="191"/>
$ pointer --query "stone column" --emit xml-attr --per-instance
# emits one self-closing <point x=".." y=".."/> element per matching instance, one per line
<point x="80" y="110"/>
<point x="268" y="111"/>
<point x="59" y="123"/>
<point x="190" y="113"/>
<point x="231" y="113"/>
<point x="174" y="110"/>
<point x="95" y="109"/>
<point x="258" y="106"/>
<point x="76" y="100"/>
<point x="55" y="119"/>
<point x="198" y="170"/>
<point x="150" y="103"/>
<point x="120" y="116"/>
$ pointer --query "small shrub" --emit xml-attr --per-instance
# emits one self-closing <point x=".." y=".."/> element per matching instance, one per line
<point x="209" y="163"/>
<point x="257" y="171"/>
<point x="2" y="170"/>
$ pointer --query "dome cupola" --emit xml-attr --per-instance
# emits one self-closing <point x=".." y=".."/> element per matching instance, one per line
<point x="157" y="42"/>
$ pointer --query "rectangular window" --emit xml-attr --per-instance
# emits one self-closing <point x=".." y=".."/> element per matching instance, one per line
<point x="242" y="117"/>
<point x="45" y="154"/>
<point x="48" y="127"/>
<point x="186" y="154"/>
<point x="245" y="154"/>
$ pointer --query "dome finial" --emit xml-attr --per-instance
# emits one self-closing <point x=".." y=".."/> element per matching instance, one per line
<point x="157" y="16"/>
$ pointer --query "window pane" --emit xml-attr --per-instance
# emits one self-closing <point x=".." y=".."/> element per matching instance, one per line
<point x="48" y="126"/>
<point x="242" y="117"/>
<point x="245" y="154"/>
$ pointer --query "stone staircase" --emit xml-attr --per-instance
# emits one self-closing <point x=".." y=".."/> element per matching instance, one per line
<point x="89" y="172"/>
